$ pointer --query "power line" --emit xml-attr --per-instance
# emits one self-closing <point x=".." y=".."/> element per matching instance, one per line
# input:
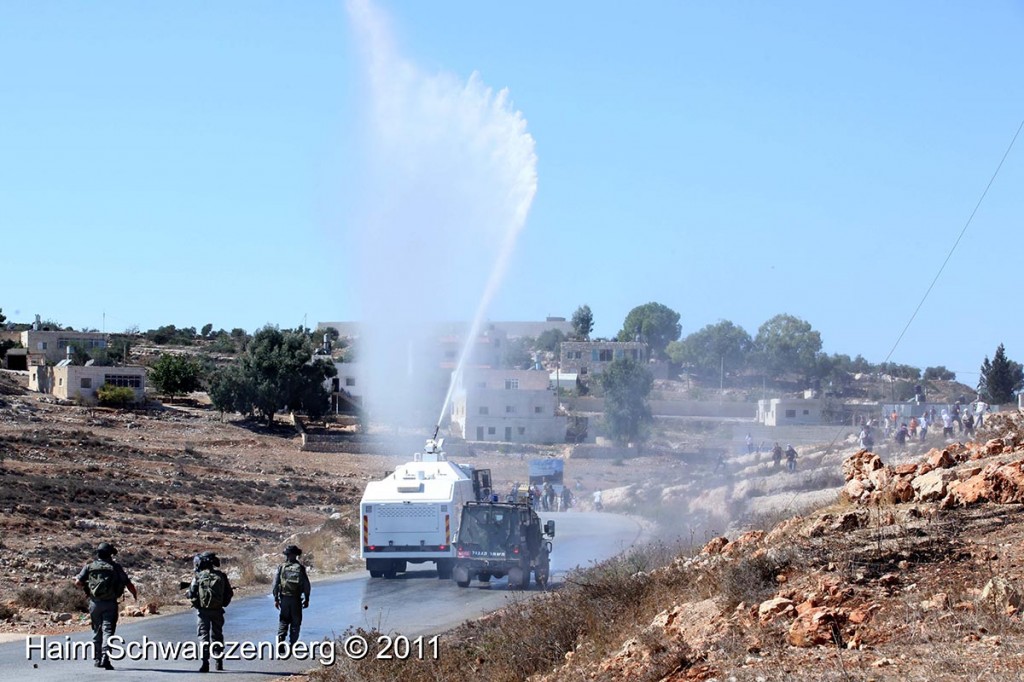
<point x="956" y="243"/>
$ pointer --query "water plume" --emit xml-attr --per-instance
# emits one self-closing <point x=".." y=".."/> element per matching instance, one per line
<point x="450" y="177"/>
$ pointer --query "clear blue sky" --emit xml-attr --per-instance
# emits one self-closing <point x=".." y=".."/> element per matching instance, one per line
<point x="190" y="162"/>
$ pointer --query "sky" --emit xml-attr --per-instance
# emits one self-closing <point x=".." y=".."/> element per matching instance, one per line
<point x="191" y="162"/>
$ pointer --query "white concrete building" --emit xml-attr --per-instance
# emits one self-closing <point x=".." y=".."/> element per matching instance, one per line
<point x="785" y="411"/>
<point x="507" y="405"/>
<point x="78" y="382"/>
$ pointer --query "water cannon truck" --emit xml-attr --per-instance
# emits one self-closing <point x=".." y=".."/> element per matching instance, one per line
<point x="409" y="517"/>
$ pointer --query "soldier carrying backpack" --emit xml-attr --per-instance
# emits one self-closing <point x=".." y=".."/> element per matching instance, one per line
<point x="105" y="581"/>
<point x="291" y="594"/>
<point x="210" y="591"/>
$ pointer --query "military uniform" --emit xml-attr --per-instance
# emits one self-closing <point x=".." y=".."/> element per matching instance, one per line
<point x="209" y="620"/>
<point x="103" y="611"/>
<point x="290" y="605"/>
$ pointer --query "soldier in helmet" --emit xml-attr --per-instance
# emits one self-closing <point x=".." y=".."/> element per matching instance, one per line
<point x="291" y="594"/>
<point x="104" y="580"/>
<point x="210" y="592"/>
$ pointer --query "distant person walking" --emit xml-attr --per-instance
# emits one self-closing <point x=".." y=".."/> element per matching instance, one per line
<point x="923" y="427"/>
<point x="777" y="455"/>
<point x="790" y="458"/>
<point x="566" y="498"/>
<point x="598" y="506"/>
<point x="750" y="444"/>
<point x="105" y="581"/>
<point x="980" y="410"/>
<point x="209" y="593"/>
<point x="969" y="425"/>
<point x="291" y="594"/>
<point x="901" y="434"/>
<point x="947" y="424"/>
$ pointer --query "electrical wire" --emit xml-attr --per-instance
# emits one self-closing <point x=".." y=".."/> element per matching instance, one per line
<point x="955" y="244"/>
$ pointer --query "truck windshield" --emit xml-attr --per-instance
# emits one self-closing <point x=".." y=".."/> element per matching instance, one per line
<point x="486" y="527"/>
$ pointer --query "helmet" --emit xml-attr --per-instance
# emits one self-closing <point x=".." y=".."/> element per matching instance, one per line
<point x="292" y="550"/>
<point x="106" y="549"/>
<point x="205" y="560"/>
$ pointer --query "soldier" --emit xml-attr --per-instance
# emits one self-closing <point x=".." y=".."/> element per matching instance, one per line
<point x="104" y="580"/>
<point x="291" y="594"/>
<point x="210" y="592"/>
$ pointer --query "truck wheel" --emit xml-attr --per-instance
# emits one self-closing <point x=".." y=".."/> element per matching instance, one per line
<point x="444" y="570"/>
<point x="460" y="574"/>
<point x="541" y="574"/>
<point x="484" y="577"/>
<point x="390" y="574"/>
<point x="376" y="574"/>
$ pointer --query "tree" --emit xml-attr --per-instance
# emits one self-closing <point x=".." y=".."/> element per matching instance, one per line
<point x="786" y="344"/>
<point x="175" y="374"/>
<point x="653" y="323"/>
<point x="1000" y="379"/>
<point x="205" y="331"/>
<point x="549" y="340"/>
<point x="3" y="318"/>
<point x="707" y="351"/>
<point x="582" y="323"/>
<point x="274" y="372"/>
<point x="939" y="373"/>
<point x="517" y="354"/>
<point x="626" y="385"/>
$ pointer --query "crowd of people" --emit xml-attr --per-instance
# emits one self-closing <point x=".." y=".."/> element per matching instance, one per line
<point x="959" y="420"/>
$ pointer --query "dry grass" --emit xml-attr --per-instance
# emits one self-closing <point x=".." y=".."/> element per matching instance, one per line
<point x="66" y="598"/>
<point x="589" y="616"/>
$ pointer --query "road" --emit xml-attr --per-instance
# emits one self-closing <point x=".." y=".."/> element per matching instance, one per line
<point x="416" y="604"/>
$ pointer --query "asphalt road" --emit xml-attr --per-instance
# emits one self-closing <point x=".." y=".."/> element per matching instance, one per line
<point x="416" y="604"/>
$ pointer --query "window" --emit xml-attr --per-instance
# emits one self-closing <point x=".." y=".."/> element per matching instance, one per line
<point x="605" y="355"/>
<point x="41" y="345"/>
<point x="128" y="380"/>
<point x="538" y="409"/>
<point x="806" y="412"/>
<point x="579" y="355"/>
<point x="510" y="409"/>
<point x="790" y="414"/>
<point x="86" y="382"/>
<point x="619" y="354"/>
<point x="522" y="430"/>
<point x="350" y="381"/>
<point x="511" y="383"/>
<point x="490" y="430"/>
<point x="483" y="410"/>
<point x="583" y="369"/>
<point x="633" y="354"/>
<point x="594" y="355"/>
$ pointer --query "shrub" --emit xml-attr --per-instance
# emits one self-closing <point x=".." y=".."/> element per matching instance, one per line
<point x="115" y="396"/>
<point x="65" y="598"/>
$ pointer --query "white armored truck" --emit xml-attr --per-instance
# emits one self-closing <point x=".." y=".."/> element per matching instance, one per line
<point x="409" y="517"/>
